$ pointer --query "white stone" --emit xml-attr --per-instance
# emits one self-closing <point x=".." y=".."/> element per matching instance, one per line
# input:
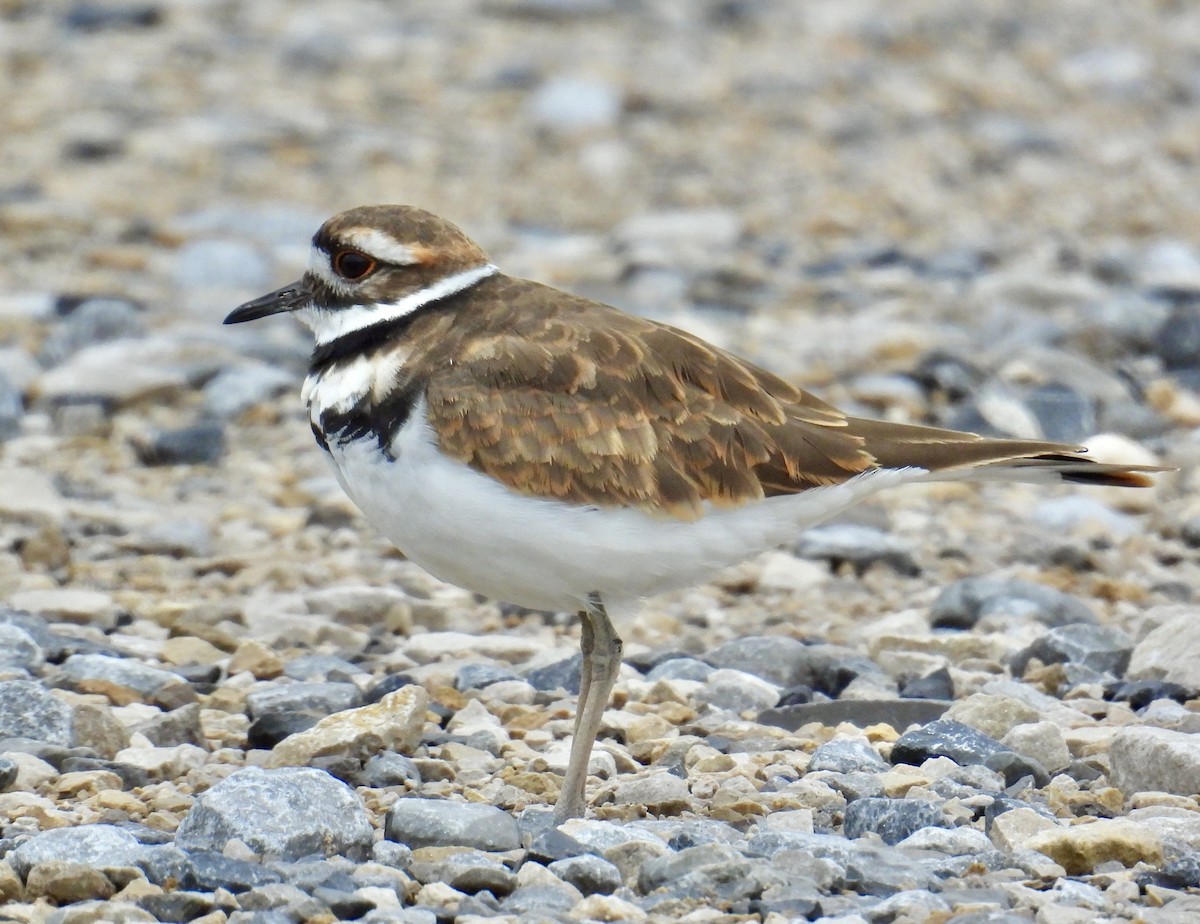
<point x="1146" y="759"/>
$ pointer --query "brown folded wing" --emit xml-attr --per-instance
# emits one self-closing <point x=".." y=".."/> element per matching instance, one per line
<point x="584" y="403"/>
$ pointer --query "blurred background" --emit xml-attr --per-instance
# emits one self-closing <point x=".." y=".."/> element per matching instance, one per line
<point x="982" y="215"/>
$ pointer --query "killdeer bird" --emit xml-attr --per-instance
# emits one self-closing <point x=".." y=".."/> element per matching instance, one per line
<point x="556" y="453"/>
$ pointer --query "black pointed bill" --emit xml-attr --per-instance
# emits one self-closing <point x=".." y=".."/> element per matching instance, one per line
<point x="289" y="298"/>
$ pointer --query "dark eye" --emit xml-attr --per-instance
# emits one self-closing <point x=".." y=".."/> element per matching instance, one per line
<point x="350" y="264"/>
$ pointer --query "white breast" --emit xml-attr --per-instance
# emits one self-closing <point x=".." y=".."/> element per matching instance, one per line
<point x="467" y="529"/>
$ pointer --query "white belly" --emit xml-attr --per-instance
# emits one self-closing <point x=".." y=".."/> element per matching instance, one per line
<point x="467" y="529"/>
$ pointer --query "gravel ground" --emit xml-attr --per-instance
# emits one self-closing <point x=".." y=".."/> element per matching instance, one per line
<point x="223" y="698"/>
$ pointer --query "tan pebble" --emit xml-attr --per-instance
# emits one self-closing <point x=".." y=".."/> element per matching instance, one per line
<point x="93" y="725"/>
<point x="190" y="650"/>
<point x="1082" y="847"/>
<point x="117" y="694"/>
<point x="255" y="657"/>
<point x="607" y="908"/>
<point x="84" y="607"/>
<point x="11" y="889"/>
<point x="642" y="728"/>
<point x="394" y="723"/>
<point x="16" y="806"/>
<point x="138" y="888"/>
<point x="65" y="882"/>
<point x="213" y="917"/>
<point x="85" y="783"/>
<point x="118" y="800"/>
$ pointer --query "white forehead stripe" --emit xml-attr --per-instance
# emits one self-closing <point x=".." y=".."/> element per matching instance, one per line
<point x="383" y="247"/>
<point x="328" y="325"/>
<point x="318" y="265"/>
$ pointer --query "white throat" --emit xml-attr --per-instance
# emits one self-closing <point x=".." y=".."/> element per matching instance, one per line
<point x="328" y="325"/>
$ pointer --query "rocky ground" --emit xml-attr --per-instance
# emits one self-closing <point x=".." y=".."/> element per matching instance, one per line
<point x="223" y="698"/>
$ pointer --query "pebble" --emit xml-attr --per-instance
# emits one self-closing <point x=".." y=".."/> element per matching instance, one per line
<point x="737" y="692"/>
<point x="1148" y="759"/>
<point x="945" y="738"/>
<point x="286" y="813"/>
<point x="394" y="723"/>
<point x="1097" y="647"/>
<point x="232" y="392"/>
<point x="1081" y="848"/>
<point x="963" y="603"/>
<point x="318" y="696"/>
<point x="441" y="823"/>
<point x="589" y="874"/>
<point x="1171" y="651"/>
<point x="18" y="649"/>
<point x="892" y="819"/>
<point x="28" y="710"/>
<point x="658" y="794"/>
<point x="858" y="546"/>
<point x="97" y="845"/>
<point x="846" y="755"/>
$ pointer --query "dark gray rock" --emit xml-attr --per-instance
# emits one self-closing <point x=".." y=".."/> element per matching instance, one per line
<point x="1064" y="414"/>
<point x="857" y="545"/>
<point x="390" y="769"/>
<point x="883" y="871"/>
<point x="1141" y="693"/>
<point x="844" y="755"/>
<point x="1178" y="341"/>
<point x="105" y="846"/>
<point x="12" y="408"/>
<point x="179" y="726"/>
<point x="177" y="906"/>
<point x="1097" y="647"/>
<point x="679" y="669"/>
<point x="935" y="685"/>
<point x="319" y="697"/>
<point x="441" y="823"/>
<point x="539" y="903"/>
<point x="965" y="602"/>
<point x="1015" y="767"/>
<point x="29" y="710"/>
<point x="288" y="813"/>
<point x="90" y="321"/>
<point x="898" y="713"/>
<point x="8" y="773"/>
<point x="589" y="874"/>
<point x="892" y="819"/>
<point x="281" y="897"/>
<point x="202" y="443"/>
<point x="552" y="844"/>
<point x="561" y="675"/>
<point x="478" y="676"/>
<point x="774" y="658"/>
<point x="945" y="738"/>
<point x="268" y="730"/>
<point x="320" y="667"/>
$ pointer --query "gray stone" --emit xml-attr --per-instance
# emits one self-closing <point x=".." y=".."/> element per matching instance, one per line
<point x="92" y="321"/>
<point x="200" y="443"/>
<point x="591" y="875"/>
<point x="8" y="773"/>
<point x="477" y="676"/>
<point x="771" y="657"/>
<point x="441" y="823"/>
<point x="105" y="846"/>
<point x="898" y="713"/>
<point x="1171" y="651"/>
<point x="225" y="264"/>
<point x="1097" y="647"/>
<point x="737" y="691"/>
<point x="29" y="710"/>
<point x="679" y="669"/>
<point x="965" y="602"/>
<point x="183" y="538"/>
<point x="945" y="738"/>
<point x="856" y="545"/>
<point x="319" y="667"/>
<point x="232" y="391"/>
<point x="317" y="696"/>
<point x="390" y="769"/>
<point x="12" y="408"/>
<point x="845" y="755"/>
<point x="286" y="813"/>
<point x="18" y="649"/>
<point x="892" y="819"/>
<point x="468" y="871"/>
<point x="1146" y="759"/>
<point x="664" y="871"/>
<point x="658" y="793"/>
<point x="124" y="672"/>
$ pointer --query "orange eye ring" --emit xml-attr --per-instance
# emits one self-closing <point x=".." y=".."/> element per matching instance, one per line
<point x="352" y="265"/>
